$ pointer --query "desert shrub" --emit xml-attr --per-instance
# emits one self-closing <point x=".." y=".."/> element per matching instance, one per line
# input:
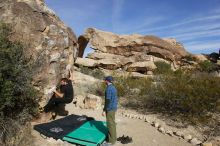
<point x="162" y="68"/>
<point x="96" y="73"/>
<point x="208" y="66"/>
<point x="128" y="86"/>
<point x="184" y="95"/>
<point x="85" y="70"/>
<point x="16" y="92"/>
<point x="189" y="58"/>
<point x="98" y="89"/>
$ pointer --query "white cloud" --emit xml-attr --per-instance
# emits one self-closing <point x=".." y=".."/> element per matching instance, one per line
<point x="185" y="22"/>
<point x="116" y="13"/>
<point x="203" y="46"/>
<point x="198" y="34"/>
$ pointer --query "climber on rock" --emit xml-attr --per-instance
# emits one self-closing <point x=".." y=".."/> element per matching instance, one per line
<point x="63" y="95"/>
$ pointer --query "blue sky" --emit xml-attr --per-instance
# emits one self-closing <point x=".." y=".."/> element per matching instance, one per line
<point x="195" y="23"/>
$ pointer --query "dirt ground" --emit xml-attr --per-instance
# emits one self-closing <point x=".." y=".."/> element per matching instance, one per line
<point x="142" y="133"/>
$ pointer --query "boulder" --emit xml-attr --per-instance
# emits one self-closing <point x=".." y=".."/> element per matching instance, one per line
<point x="93" y="102"/>
<point x="86" y="62"/>
<point x="173" y="42"/>
<point x="52" y="46"/>
<point x="142" y="67"/>
<point x="207" y="144"/>
<point x="132" y="53"/>
<point x="128" y="45"/>
<point x="200" y="57"/>
<point x="88" y="101"/>
<point x="83" y="83"/>
<point x="137" y="75"/>
<point x="79" y="101"/>
<point x="110" y="64"/>
<point x="121" y="60"/>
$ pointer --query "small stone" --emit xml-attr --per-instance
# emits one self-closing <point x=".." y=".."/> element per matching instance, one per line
<point x="134" y="116"/>
<point x="162" y="130"/>
<point x="150" y="73"/>
<point x="155" y="124"/>
<point x="128" y="115"/>
<point x="169" y="132"/>
<point x="178" y="133"/>
<point x="141" y="117"/>
<point x="187" y="137"/>
<point x="207" y="144"/>
<point x="195" y="141"/>
<point x="147" y="120"/>
<point x="51" y="140"/>
<point x="60" y="141"/>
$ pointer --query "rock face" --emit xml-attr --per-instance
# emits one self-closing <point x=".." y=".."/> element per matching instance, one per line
<point x="89" y="101"/>
<point x="93" y="102"/>
<point x="51" y="46"/>
<point x="124" y="51"/>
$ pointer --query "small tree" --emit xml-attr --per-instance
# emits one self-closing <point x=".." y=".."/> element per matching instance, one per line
<point x="207" y="66"/>
<point x="16" y="91"/>
<point x="162" y="68"/>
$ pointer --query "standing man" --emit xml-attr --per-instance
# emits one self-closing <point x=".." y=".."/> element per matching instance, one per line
<point x="110" y="108"/>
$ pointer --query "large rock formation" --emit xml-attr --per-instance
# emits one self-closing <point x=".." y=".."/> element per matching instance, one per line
<point x="123" y="51"/>
<point x="50" y="45"/>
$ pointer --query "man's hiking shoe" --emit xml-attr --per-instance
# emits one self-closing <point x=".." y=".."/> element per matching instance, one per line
<point x="124" y="140"/>
<point x="120" y="138"/>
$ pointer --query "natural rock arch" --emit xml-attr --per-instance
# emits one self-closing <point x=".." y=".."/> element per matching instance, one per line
<point x="83" y="42"/>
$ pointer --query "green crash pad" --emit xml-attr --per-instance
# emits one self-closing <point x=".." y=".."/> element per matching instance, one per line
<point x="91" y="133"/>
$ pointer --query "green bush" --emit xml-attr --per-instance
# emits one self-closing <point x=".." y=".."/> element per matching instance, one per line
<point x="128" y="86"/>
<point x="16" y="92"/>
<point x="96" y="73"/>
<point x="185" y="95"/>
<point x="162" y="68"/>
<point x="98" y="89"/>
<point x="189" y="58"/>
<point x="208" y="66"/>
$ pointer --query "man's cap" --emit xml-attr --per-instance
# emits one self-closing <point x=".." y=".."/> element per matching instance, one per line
<point x="108" y="78"/>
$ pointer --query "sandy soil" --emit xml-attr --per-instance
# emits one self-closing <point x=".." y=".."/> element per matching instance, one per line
<point x="142" y="133"/>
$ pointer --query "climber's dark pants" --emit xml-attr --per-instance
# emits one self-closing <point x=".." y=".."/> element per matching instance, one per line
<point x="54" y="102"/>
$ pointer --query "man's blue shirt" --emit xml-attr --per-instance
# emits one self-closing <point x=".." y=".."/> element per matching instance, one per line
<point x="111" y="97"/>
